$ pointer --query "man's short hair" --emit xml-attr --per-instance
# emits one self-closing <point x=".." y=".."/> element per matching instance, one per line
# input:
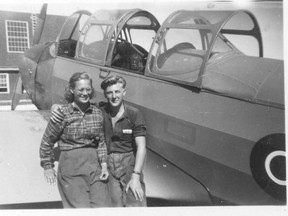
<point x="112" y="80"/>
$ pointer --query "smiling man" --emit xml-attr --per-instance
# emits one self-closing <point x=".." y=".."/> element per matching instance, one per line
<point x="125" y="133"/>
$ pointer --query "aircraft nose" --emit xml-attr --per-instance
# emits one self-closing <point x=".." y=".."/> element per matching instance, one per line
<point x="27" y="68"/>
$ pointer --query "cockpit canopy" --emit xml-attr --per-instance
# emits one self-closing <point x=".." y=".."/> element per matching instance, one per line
<point x="217" y="51"/>
<point x="188" y="41"/>
<point x="113" y="38"/>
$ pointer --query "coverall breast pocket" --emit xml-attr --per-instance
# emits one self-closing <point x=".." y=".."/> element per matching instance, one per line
<point x="126" y="134"/>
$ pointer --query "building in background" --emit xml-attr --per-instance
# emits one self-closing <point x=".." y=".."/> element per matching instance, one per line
<point x="16" y="36"/>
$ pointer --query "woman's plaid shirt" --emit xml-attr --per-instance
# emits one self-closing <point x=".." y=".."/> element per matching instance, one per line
<point x="77" y="130"/>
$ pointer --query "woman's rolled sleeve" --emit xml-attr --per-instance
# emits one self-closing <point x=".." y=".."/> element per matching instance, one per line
<point x="51" y="136"/>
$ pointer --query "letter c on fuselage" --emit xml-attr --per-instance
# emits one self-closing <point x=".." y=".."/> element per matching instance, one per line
<point x="268" y="165"/>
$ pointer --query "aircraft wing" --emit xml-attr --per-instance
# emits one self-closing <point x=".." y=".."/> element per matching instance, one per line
<point x="22" y="179"/>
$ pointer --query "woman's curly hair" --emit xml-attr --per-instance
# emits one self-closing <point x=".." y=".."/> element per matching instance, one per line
<point x="69" y="96"/>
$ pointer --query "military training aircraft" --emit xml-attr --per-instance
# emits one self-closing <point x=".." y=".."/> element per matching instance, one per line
<point x="215" y="115"/>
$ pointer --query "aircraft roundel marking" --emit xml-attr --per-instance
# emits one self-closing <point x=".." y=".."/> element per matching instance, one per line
<point x="268" y="161"/>
<point x="268" y="165"/>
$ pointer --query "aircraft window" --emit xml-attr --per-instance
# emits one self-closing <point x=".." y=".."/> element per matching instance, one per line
<point x="142" y="37"/>
<point x="95" y="43"/>
<point x="188" y="18"/>
<point x="221" y="47"/>
<point x="139" y="20"/>
<point x="79" y="27"/>
<point x="131" y="49"/>
<point x="240" y="21"/>
<point x="245" y="43"/>
<point x="66" y="31"/>
<point x="181" y="54"/>
<point x="129" y="56"/>
<point x="68" y="27"/>
<point x="108" y="15"/>
<point x="193" y="21"/>
<point x="69" y="35"/>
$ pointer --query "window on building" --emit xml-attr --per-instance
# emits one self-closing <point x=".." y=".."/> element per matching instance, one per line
<point x="17" y="36"/>
<point x="4" y="83"/>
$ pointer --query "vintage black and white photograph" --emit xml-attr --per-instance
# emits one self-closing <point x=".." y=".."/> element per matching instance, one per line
<point x="143" y="107"/>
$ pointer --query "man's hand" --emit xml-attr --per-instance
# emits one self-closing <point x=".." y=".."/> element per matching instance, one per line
<point x="50" y="176"/>
<point x="104" y="175"/>
<point x="104" y="172"/>
<point x="135" y="186"/>
<point x="56" y="114"/>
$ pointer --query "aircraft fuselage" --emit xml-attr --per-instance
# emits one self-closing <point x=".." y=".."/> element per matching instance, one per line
<point x="211" y="138"/>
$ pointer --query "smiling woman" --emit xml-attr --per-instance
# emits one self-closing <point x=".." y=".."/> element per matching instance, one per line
<point x="80" y="90"/>
<point x="82" y="163"/>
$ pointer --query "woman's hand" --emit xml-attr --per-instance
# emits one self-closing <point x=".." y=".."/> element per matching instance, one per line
<point x="104" y="172"/>
<point x="50" y="176"/>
